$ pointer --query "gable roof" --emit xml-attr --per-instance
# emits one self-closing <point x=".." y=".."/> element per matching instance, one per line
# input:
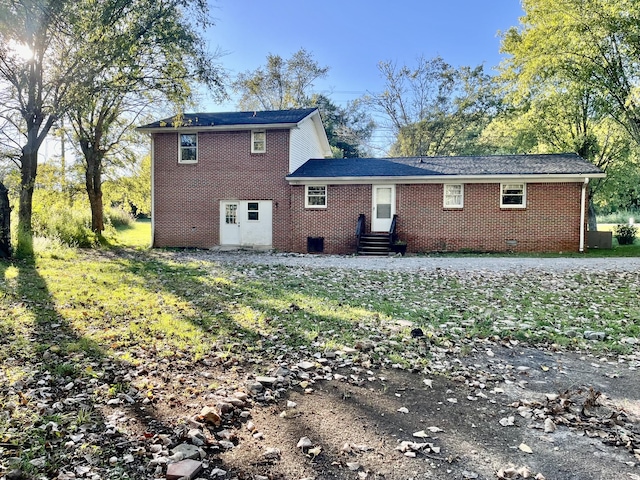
<point x="562" y="166"/>
<point x="229" y="120"/>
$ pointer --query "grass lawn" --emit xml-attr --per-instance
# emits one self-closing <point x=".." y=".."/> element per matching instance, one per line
<point x="69" y="316"/>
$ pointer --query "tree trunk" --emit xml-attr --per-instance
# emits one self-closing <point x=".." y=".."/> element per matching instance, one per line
<point x="591" y="216"/>
<point x="5" y="223"/>
<point x="93" y="182"/>
<point x="28" y="171"/>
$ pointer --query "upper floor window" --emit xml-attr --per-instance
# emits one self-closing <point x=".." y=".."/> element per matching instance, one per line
<point x="188" y="148"/>
<point x="513" y="195"/>
<point x="315" y="196"/>
<point x="258" y="141"/>
<point x="453" y="196"/>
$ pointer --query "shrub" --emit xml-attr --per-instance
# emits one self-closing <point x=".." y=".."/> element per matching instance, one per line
<point x="70" y="226"/>
<point x="625" y="234"/>
<point x="117" y="217"/>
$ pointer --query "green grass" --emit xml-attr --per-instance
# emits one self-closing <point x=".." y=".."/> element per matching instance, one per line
<point x="137" y="235"/>
<point x="71" y="314"/>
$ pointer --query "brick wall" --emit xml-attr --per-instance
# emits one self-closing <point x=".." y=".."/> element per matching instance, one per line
<point x="187" y="196"/>
<point x="549" y="223"/>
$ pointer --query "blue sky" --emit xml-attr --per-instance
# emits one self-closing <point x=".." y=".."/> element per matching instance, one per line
<point x="352" y="36"/>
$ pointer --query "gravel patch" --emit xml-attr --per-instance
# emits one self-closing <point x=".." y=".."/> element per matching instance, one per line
<point x="414" y="263"/>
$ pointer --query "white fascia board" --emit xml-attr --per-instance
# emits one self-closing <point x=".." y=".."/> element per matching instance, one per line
<point x="551" y="178"/>
<point x="217" y="128"/>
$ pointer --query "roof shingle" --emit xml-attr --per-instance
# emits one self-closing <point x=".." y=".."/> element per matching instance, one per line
<point x="538" y="164"/>
<point x="227" y="119"/>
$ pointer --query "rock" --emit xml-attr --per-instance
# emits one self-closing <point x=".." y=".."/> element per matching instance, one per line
<point x="255" y="387"/>
<point x="549" y="426"/>
<point x="210" y="415"/>
<point x="593" y="335"/>
<point x="196" y="436"/>
<point x="306" y="366"/>
<point x="271" y="453"/>
<point x="266" y="381"/>
<point x="184" y="469"/>
<point x="188" y="451"/>
<point x="218" y="472"/>
<point x="304" y="442"/>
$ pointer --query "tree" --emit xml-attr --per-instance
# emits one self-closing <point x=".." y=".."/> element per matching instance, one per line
<point x="562" y="119"/>
<point x="280" y="84"/>
<point x="58" y="53"/>
<point x="594" y="44"/>
<point x="283" y="84"/>
<point x="434" y="108"/>
<point x="348" y="129"/>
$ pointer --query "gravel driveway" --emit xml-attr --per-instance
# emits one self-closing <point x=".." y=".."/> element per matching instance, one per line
<point x="413" y="263"/>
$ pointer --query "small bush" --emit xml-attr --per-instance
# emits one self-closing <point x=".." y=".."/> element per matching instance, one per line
<point x="117" y="217"/>
<point x="625" y="234"/>
<point x="69" y="226"/>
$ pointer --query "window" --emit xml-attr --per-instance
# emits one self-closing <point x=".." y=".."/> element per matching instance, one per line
<point x="231" y="214"/>
<point x="188" y="148"/>
<point x="258" y="141"/>
<point x="453" y="196"/>
<point x="513" y="195"/>
<point x="252" y="211"/>
<point x="316" y="196"/>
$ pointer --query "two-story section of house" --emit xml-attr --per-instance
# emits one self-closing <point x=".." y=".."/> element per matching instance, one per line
<point x="218" y="179"/>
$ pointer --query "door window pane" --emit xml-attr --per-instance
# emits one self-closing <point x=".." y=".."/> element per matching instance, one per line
<point x="231" y="214"/>
<point x="252" y="213"/>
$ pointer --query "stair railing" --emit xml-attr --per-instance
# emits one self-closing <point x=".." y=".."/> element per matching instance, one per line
<point x="360" y="228"/>
<point x="393" y="234"/>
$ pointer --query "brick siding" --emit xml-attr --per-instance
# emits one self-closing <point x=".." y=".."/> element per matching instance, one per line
<point x="187" y="196"/>
<point x="187" y="204"/>
<point x="549" y="223"/>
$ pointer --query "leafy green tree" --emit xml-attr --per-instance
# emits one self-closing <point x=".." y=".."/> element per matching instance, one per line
<point x="348" y="129"/>
<point x="283" y="84"/>
<point x="594" y="44"/>
<point x="59" y="53"/>
<point x="132" y="191"/>
<point x="280" y="84"/>
<point x="434" y="108"/>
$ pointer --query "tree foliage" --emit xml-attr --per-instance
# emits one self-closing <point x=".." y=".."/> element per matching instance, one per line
<point x="591" y="43"/>
<point x="434" y="108"/>
<point x="288" y="83"/>
<point x="59" y="53"/>
<point x="280" y="84"/>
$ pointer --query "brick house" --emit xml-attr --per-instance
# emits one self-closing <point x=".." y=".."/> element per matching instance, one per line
<point x="262" y="180"/>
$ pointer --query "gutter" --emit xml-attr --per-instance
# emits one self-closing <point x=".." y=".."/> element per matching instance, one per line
<point x="583" y="197"/>
<point x="389" y="179"/>
<point x="153" y="203"/>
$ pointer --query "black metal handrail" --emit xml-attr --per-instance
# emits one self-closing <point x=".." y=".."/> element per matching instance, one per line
<point x="359" y="230"/>
<point x="360" y="226"/>
<point x="393" y="234"/>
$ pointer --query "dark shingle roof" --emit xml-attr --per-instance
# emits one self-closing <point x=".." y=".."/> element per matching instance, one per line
<point x="543" y="164"/>
<point x="222" y="119"/>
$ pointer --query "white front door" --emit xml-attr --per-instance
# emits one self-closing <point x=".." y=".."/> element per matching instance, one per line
<point x="246" y="223"/>
<point x="384" y="207"/>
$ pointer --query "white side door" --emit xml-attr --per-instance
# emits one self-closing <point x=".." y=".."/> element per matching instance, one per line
<point x="229" y="223"/>
<point x="256" y="218"/>
<point x="383" y="207"/>
<point x="246" y="223"/>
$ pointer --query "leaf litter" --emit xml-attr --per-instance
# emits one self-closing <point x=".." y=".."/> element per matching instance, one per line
<point x="137" y="414"/>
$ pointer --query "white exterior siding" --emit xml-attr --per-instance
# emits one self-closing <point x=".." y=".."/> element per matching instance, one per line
<point x="305" y="144"/>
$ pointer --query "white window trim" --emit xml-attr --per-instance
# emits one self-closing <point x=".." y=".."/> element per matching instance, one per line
<point x="306" y="197"/>
<point x="524" y="195"/>
<point x="253" y="142"/>
<point x="444" y="196"/>
<point x="180" y="148"/>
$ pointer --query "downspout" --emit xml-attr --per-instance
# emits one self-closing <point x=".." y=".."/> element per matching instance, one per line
<point x="153" y="209"/>
<point x="583" y="197"/>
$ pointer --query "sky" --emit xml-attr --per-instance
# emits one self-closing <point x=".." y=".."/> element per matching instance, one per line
<point x="352" y="36"/>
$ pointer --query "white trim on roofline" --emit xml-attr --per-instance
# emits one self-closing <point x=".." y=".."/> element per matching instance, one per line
<point x="208" y="128"/>
<point x="435" y="179"/>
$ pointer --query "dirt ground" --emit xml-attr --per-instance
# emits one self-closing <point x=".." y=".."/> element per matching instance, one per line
<point x="359" y="425"/>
